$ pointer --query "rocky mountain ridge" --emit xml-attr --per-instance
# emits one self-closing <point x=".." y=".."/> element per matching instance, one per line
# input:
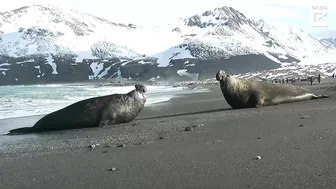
<point x="329" y="42"/>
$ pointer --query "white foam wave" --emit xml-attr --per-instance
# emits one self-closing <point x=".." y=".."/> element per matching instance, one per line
<point x="152" y="101"/>
<point x="49" y="85"/>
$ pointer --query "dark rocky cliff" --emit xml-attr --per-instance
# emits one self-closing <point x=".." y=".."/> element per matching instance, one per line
<point x="38" y="69"/>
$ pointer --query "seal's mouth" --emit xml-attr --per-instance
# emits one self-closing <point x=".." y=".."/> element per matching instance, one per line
<point x="217" y="77"/>
<point x="141" y="95"/>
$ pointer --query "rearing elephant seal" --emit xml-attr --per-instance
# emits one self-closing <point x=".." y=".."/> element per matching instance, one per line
<point x="243" y="93"/>
<point x="92" y="112"/>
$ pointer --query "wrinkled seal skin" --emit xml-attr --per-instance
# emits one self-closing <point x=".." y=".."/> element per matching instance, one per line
<point x="92" y="112"/>
<point x="243" y="93"/>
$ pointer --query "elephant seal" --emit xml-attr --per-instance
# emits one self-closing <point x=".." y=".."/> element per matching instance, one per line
<point x="92" y="112"/>
<point x="243" y="93"/>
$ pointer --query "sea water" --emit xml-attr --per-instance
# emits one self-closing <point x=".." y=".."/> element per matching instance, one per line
<point x="20" y="101"/>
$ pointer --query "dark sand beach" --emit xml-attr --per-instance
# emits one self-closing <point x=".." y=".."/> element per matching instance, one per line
<point x="296" y="143"/>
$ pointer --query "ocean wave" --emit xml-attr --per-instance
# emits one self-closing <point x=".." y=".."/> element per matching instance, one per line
<point x="49" y="85"/>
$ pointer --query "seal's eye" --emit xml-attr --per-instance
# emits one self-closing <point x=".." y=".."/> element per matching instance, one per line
<point x="143" y="90"/>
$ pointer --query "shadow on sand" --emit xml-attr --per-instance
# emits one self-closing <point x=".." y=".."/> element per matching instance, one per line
<point x="144" y="118"/>
<point x="188" y="113"/>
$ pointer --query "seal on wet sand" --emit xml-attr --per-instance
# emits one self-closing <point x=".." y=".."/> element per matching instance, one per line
<point x="92" y="112"/>
<point x="243" y="93"/>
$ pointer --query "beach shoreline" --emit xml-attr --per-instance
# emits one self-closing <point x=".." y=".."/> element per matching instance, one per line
<point x="156" y="150"/>
<point x="157" y="109"/>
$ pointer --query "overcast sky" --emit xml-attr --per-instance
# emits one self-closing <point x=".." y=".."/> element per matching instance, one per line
<point x="152" y="12"/>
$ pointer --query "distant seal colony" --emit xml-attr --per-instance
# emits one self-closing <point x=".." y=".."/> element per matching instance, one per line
<point x="243" y="93"/>
<point x="92" y="112"/>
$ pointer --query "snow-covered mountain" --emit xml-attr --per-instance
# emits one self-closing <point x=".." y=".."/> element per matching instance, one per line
<point x="294" y="71"/>
<point x="48" y="41"/>
<point x="40" y="29"/>
<point x="226" y="32"/>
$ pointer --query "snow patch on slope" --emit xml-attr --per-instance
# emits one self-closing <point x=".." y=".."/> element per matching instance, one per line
<point x="52" y="64"/>
<point x="184" y="72"/>
<point x="96" y="67"/>
<point x="319" y="59"/>
<point x="177" y="52"/>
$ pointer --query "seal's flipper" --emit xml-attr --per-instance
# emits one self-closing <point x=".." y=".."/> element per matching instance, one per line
<point x="259" y="105"/>
<point x="320" y="96"/>
<point x="257" y="100"/>
<point x="23" y="130"/>
<point x="106" y="122"/>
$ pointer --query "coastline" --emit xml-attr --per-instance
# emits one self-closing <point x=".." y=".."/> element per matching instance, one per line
<point x="16" y="142"/>
<point x="159" y="153"/>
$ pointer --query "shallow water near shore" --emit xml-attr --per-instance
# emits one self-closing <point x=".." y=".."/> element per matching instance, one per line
<point x="19" y="101"/>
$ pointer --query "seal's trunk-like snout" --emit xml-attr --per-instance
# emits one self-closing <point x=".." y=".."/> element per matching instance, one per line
<point x="23" y="130"/>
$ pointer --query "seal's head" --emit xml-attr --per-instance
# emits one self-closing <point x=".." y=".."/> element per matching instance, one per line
<point x="141" y="88"/>
<point x="220" y="75"/>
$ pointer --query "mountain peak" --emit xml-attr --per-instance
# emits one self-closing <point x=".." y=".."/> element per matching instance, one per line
<point x="33" y="7"/>
<point x="218" y="17"/>
<point x="50" y="17"/>
<point x="225" y="12"/>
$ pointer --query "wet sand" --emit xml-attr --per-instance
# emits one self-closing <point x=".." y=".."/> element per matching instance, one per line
<point x="296" y="143"/>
